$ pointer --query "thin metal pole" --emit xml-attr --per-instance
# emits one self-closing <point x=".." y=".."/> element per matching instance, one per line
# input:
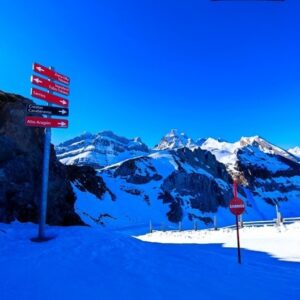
<point x="237" y="224"/>
<point x="45" y="179"/>
<point x="215" y="222"/>
<point x="238" y="240"/>
<point x="235" y="188"/>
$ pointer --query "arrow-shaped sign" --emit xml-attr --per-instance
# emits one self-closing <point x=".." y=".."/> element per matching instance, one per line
<point x="40" y="69"/>
<point x="64" y="111"/>
<point x="52" y="86"/>
<point x="45" y="122"/>
<point x="47" y="110"/>
<point x="51" y="74"/>
<point x="62" y="124"/>
<point x="36" y="80"/>
<point x="49" y="97"/>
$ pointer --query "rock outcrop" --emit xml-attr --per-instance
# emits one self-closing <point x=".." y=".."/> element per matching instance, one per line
<point x="21" y="154"/>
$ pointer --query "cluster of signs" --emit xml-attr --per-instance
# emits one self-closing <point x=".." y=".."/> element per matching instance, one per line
<point x="49" y="86"/>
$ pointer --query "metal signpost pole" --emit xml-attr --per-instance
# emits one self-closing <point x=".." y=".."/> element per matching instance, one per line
<point x="237" y="224"/>
<point x="238" y="239"/>
<point x="45" y="178"/>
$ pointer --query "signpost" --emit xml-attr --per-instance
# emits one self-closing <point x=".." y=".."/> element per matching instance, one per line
<point x="49" y="97"/>
<point x="47" y="110"/>
<point x="51" y="86"/>
<point x="50" y="73"/>
<point x="237" y="207"/>
<point x="46" y="122"/>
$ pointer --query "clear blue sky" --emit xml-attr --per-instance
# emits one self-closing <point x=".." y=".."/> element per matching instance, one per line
<point x="140" y="68"/>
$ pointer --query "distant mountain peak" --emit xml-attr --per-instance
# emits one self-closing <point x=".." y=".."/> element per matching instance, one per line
<point x="175" y="139"/>
<point x="295" y="151"/>
<point x="99" y="150"/>
<point x="252" y="139"/>
<point x="265" y="146"/>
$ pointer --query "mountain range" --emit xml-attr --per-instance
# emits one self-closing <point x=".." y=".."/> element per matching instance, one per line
<point x="181" y="179"/>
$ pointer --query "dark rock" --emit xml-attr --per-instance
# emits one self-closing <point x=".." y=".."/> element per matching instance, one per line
<point x="21" y="158"/>
<point x="205" y="193"/>
<point x="133" y="173"/>
<point x="175" y="214"/>
<point x="85" y="178"/>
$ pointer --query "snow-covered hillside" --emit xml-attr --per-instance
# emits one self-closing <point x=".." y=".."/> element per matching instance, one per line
<point x="185" y="182"/>
<point x="164" y="187"/>
<point x="99" y="150"/>
<point x="89" y="263"/>
<point x="175" y="186"/>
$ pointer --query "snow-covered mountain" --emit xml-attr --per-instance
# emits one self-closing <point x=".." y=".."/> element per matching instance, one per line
<point x="99" y="150"/>
<point x="228" y="153"/>
<point x="166" y="186"/>
<point x="185" y="185"/>
<point x="174" y="140"/>
<point x="181" y="180"/>
<point x="295" y="151"/>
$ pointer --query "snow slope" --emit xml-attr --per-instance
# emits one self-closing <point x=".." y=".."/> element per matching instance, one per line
<point x="138" y="189"/>
<point x="88" y="263"/>
<point x="281" y="242"/>
<point x="195" y="191"/>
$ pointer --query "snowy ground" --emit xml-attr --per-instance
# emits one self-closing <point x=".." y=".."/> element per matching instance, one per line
<point x="94" y="263"/>
<point x="281" y="242"/>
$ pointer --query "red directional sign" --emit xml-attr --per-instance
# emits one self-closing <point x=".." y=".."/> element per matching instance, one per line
<point x="49" y="97"/>
<point x="237" y="206"/>
<point x="50" y="85"/>
<point x="45" y="122"/>
<point x="50" y="73"/>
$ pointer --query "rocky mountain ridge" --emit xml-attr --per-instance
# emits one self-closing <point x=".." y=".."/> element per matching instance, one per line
<point x="99" y="150"/>
<point x="186" y="182"/>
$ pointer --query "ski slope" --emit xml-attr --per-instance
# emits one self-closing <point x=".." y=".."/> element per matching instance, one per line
<point x="281" y="242"/>
<point x="93" y="263"/>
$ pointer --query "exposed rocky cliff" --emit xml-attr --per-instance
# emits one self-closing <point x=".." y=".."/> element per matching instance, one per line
<point x="21" y="154"/>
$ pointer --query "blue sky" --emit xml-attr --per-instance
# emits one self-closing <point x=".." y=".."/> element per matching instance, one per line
<point x="140" y="68"/>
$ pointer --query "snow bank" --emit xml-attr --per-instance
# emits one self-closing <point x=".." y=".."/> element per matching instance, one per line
<point x="281" y="242"/>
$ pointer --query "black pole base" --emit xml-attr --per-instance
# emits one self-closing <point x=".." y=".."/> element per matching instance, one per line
<point x="42" y="239"/>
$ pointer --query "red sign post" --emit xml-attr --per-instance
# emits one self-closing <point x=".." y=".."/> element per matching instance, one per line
<point x="51" y="73"/>
<point x="50" y="85"/>
<point x="237" y="207"/>
<point x="49" y="97"/>
<point x="47" y="81"/>
<point x="46" y="122"/>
